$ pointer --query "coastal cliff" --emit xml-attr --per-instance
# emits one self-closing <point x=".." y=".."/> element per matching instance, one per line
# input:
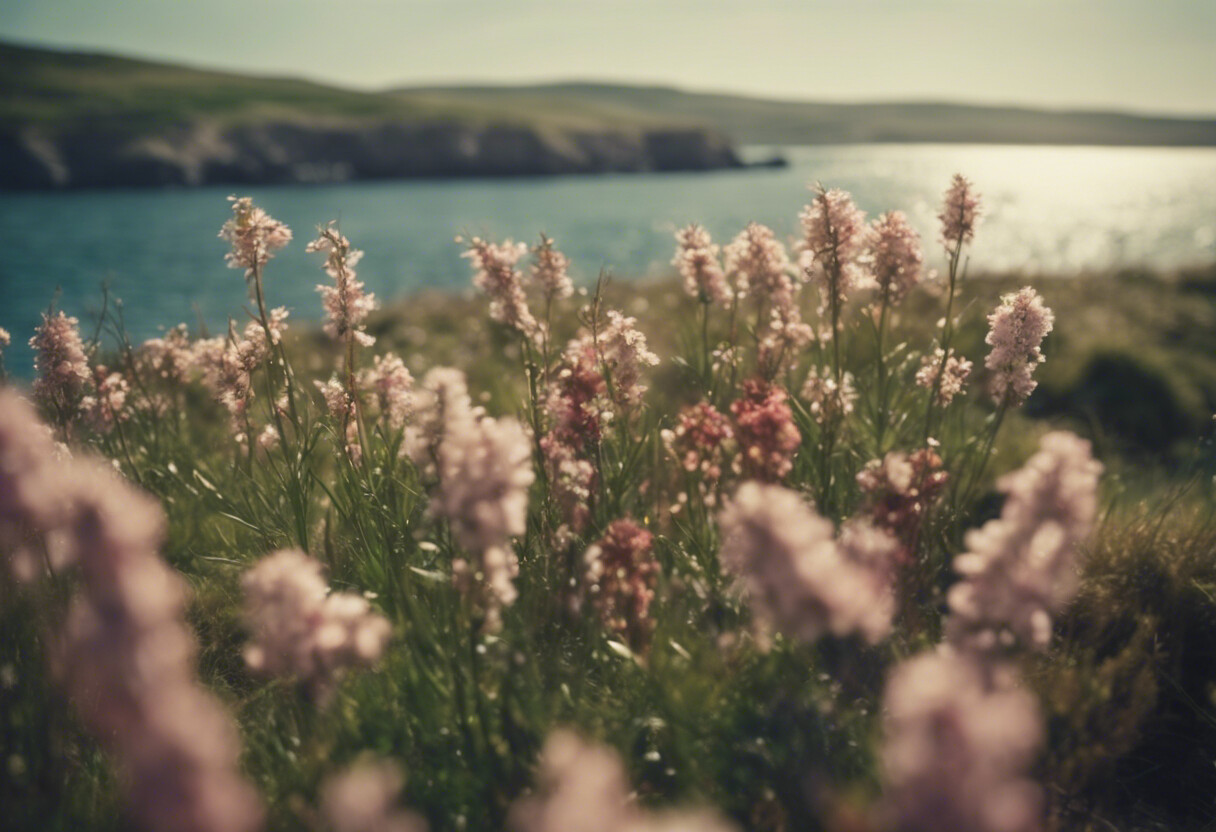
<point x="105" y="155"/>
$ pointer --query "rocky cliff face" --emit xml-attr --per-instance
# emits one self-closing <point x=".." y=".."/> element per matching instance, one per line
<point x="103" y="155"/>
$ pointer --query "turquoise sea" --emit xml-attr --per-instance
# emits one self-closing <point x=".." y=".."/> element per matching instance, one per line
<point x="1048" y="209"/>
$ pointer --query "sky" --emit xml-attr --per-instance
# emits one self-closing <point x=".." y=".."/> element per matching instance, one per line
<point x="1152" y="56"/>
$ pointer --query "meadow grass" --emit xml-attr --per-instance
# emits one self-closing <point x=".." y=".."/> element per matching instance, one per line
<point x="670" y="656"/>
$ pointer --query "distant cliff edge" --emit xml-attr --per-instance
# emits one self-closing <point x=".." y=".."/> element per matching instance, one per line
<point x="101" y="155"/>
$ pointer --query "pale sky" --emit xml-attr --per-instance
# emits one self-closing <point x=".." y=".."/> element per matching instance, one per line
<point x="1156" y="56"/>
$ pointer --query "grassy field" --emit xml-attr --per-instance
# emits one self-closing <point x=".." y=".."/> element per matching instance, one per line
<point x="628" y="529"/>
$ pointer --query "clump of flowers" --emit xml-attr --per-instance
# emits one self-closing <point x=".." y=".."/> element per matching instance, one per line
<point x="895" y="256"/>
<point x="835" y="237"/>
<point x="442" y="397"/>
<point x="620" y="578"/>
<point x="550" y="271"/>
<point x="623" y="354"/>
<point x="485" y="469"/>
<point x="301" y="630"/>
<point x="124" y="654"/>
<point x="697" y="260"/>
<point x="584" y="788"/>
<point x="1016" y="330"/>
<point x="1022" y="567"/>
<point x="758" y="262"/>
<point x="765" y="430"/>
<point x="228" y="366"/>
<point x="794" y="573"/>
<point x="495" y="273"/>
<point x="364" y="799"/>
<point x="957" y="750"/>
<point x="346" y="304"/>
<point x="960" y="213"/>
<point x="104" y="406"/>
<point x="699" y="440"/>
<point x="391" y="384"/>
<point x="170" y="357"/>
<point x="254" y="235"/>
<point x="830" y="402"/>
<point x="948" y="375"/>
<point x="341" y="406"/>
<point x="61" y="364"/>
<point x="900" y="489"/>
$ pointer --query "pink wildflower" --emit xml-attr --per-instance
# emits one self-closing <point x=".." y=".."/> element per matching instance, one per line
<point x="895" y="255"/>
<point x="698" y="263"/>
<point x="960" y="213"/>
<point x="364" y="799"/>
<point x="550" y="270"/>
<point x="1016" y="331"/>
<point x="899" y="492"/>
<point x="830" y="403"/>
<point x="621" y="573"/>
<point x="835" y="236"/>
<point x="170" y="357"/>
<point x="698" y="439"/>
<point x="346" y="304"/>
<point x="758" y="262"/>
<point x="799" y="581"/>
<point x="957" y="750"/>
<point x="953" y="373"/>
<point x="623" y="353"/>
<point x="391" y="383"/>
<point x="495" y="273"/>
<point x="104" y="407"/>
<point x="255" y="236"/>
<point x="301" y="630"/>
<point x="61" y="364"/>
<point x="1022" y="567"/>
<point x="765" y="430"/>
<point x="442" y="398"/>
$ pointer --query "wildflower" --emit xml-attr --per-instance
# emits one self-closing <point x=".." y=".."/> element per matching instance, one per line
<point x="948" y="375"/>
<point x="900" y="490"/>
<point x="442" y="398"/>
<point x="170" y="357"/>
<point x="341" y="406"/>
<point x="485" y="469"/>
<point x="782" y="340"/>
<point x="697" y="261"/>
<point x="699" y="438"/>
<point x="104" y="407"/>
<point x="392" y="384"/>
<point x="496" y="275"/>
<point x="550" y="270"/>
<point x="829" y="401"/>
<point x="346" y="304"/>
<point x="575" y="403"/>
<point x="1022" y="567"/>
<point x="960" y="213"/>
<point x="301" y="630"/>
<point x="254" y="235"/>
<point x="621" y="572"/>
<point x="124" y="654"/>
<point x="799" y="581"/>
<point x="957" y="750"/>
<point x="5" y="338"/>
<point x="622" y="351"/>
<point x="1016" y="330"/>
<point x="895" y="256"/>
<point x="765" y="430"/>
<point x="363" y="799"/>
<point x="835" y="236"/>
<point x="583" y="788"/>
<point x="760" y="266"/>
<point x="61" y="364"/>
<point x="572" y="479"/>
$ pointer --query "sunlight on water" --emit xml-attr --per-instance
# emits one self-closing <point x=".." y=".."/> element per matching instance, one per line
<point x="1048" y="209"/>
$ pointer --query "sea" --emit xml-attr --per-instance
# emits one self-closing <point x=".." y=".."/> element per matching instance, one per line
<point x="1048" y="210"/>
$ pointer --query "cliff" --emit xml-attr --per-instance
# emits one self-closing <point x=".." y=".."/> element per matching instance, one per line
<point x="75" y="121"/>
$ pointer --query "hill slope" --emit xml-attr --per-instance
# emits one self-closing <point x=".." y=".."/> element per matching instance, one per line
<point x="73" y="120"/>
<point x="763" y="121"/>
